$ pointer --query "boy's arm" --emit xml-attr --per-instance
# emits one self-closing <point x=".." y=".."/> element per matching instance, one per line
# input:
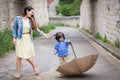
<point x="55" y="49"/>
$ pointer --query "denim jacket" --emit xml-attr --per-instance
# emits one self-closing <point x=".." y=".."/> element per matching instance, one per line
<point x="18" y="28"/>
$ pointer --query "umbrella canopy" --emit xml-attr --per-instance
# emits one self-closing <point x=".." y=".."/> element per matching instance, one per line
<point x="78" y="65"/>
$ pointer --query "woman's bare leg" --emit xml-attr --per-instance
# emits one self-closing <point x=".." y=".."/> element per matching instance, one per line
<point x="31" y="61"/>
<point x="18" y="66"/>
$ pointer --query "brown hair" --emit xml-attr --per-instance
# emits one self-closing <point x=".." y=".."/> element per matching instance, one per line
<point x="32" y="19"/>
<point x="58" y="35"/>
<point x="33" y="23"/>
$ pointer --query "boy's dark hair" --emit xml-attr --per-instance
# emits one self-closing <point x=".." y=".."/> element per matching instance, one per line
<point x="58" y="35"/>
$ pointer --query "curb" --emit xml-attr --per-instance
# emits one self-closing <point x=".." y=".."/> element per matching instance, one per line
<point x="108" y="47"/>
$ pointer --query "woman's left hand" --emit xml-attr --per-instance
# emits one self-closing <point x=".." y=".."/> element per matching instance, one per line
<point x="47" y="35"/>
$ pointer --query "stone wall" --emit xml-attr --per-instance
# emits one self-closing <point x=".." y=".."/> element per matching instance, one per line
<point x="16" y="8"/>
<point x="9" y="9"/>
<point x="102" y="16"/>
<point x="4" y="19"/>
<point x="71" y="21"/>
<point x="41" y="12"/>
<point x="49" y="2"/>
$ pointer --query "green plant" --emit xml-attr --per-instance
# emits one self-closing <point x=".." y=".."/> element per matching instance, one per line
<point x="78" y="25"/>
<point x="86" y="30"/>
<point x="117" y="43"/>
<point x="35" y="35"/>
<point x="47" y="28"/>
<point x="65" y="10"/>
<point x="57" y="9"/>
<point x="59" y="24"/>
<point x="6" y="42"/>
<point x="106" y="40"/>
<point x="68" y="7"/>
<point x="98" y="36"/>
<point x="52" y="26"/>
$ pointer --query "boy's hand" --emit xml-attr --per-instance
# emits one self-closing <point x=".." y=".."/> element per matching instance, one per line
<point x="69" y="42"/>
<point x="54" y="53"/>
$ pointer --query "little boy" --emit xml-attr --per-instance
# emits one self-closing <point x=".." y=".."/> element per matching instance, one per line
<point x="61" y="47"/>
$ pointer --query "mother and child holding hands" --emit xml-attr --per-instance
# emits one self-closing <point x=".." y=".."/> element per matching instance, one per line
<point x="22" y="38"/>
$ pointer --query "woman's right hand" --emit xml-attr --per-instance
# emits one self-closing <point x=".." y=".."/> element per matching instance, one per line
<point x="47" y="35"/>
<point x="14" y="41"/>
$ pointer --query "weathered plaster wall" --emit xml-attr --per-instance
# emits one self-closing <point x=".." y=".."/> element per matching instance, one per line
<point x="102" y="16"/>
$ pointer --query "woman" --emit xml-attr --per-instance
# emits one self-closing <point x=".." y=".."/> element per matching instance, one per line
<point x="22" y="39"/>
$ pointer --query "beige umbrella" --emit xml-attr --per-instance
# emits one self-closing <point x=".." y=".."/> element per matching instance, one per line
<point x="78" y="65"/>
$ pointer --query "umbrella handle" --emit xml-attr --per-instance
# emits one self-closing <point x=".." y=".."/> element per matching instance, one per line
<point x="73" y="50"/>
